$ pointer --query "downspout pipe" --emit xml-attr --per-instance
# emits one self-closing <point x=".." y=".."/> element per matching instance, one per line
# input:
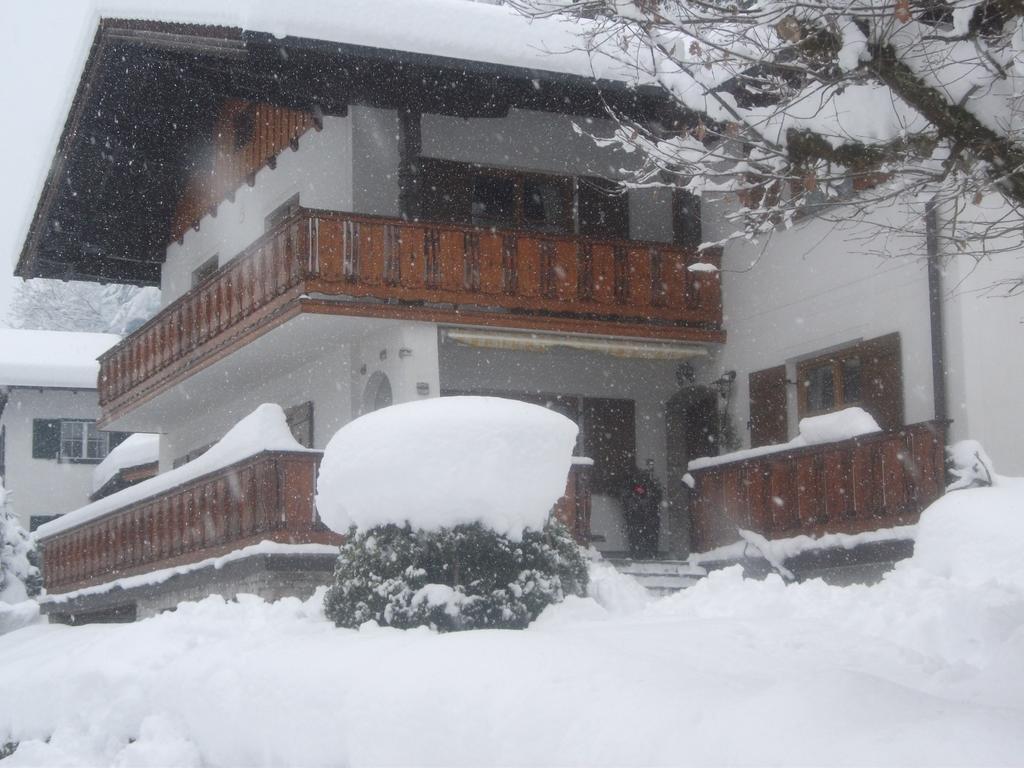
<point x="931" y="218"/>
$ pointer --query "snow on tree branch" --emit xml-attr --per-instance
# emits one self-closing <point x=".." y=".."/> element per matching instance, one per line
<point x="830" y="106"/>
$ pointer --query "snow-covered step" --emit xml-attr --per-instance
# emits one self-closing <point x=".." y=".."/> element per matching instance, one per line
<point x="660" y="577"/>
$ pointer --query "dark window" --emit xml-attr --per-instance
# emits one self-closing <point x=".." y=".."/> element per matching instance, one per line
<point x="609" y="438"/>
<point x="547" y="203"/>
<point x="866" y="374"/>
<point x="492" y="197"/>
<point x="494" y="200"/>
<point x="76" y="440"/>
<point x="603" y="209"/>
<point x="820" y="384"/>
<point x="204" y="270"/>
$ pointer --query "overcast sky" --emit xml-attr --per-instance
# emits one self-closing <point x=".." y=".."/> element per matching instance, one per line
<point x="41" y="50"/>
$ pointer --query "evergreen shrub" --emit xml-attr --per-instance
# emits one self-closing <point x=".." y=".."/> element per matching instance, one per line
<point x="465" y="577"/>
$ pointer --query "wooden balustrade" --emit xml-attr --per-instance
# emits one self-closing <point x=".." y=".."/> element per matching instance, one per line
<point x="373" y="266"/>
<point x="873" y="481"/>
<point x="267" y="496"/>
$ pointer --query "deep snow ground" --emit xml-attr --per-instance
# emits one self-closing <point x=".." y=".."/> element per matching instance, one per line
<point x="926" y="668"/>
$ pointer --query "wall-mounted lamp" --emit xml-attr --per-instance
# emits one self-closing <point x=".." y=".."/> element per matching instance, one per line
<point x="724" y="383"/>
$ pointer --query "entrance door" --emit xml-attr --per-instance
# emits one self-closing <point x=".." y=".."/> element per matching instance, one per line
<point x="691" y="432"/>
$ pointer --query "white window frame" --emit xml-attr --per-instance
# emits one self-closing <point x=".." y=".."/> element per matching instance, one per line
<point x="89" y="436"/>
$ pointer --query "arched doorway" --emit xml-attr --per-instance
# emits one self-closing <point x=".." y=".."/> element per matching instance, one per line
<point x="378" y="393"/>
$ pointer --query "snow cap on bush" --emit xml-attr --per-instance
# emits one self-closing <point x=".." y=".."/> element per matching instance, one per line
<point x="447" y="461"/>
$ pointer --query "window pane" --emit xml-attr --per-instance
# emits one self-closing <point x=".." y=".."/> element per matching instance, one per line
<point x="71" y="433"/>
<point x="820" y="388"/>
<point x="71" y="440"/>
<point x="851" y="380"/>
<point x="493" y="200"/>
<point x="543" y="204"/>
<point x="96" y="447"/>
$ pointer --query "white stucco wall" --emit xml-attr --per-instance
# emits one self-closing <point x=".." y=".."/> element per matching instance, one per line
<point x="44" y="486"/>
<point x="342" y="356"/>
<point x="320" y="171"/>
<point x="818" y="286"/>
<point x="324" y="380"/>
<point x="985" y="350"/>
<point x="406" y="354"/>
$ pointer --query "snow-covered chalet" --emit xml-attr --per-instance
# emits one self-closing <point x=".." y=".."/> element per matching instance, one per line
<point x="406" y="202"/>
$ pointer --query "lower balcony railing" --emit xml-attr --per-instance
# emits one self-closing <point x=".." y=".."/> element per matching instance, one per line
<point x="265" y="497"/>
<point x="269" y="496"/>
<point x="875" y="481"/>
<point x="332" y="262"/>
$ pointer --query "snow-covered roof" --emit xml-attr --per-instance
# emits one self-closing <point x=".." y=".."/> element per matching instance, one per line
<point x="151" y="62"/>
<point x="51" y="358"/>
<point x="265" y="429"/>
<point x="456" y="29"/>
<point x="135" y="451"/>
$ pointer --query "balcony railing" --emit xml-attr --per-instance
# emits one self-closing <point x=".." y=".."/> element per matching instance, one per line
<point x="265" y="497"/>
<point x="870" y="482"/>
<point x="326" y="261"/>
<point x="269" y="496"/>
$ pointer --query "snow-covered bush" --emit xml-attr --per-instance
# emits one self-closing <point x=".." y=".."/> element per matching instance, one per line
<point x="465" y="577"/>
<point x="447" y="506"/>
<point x="968" y="466"/>
<point x="18" y="576"/>
<point x="447" y="461"/>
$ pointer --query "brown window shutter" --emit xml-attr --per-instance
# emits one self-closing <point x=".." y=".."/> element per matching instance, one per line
<point x="768" y="422"/>
<point x="882" y="380"/>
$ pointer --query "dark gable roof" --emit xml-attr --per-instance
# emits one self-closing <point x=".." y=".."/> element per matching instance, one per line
<point x="150" y="92"/>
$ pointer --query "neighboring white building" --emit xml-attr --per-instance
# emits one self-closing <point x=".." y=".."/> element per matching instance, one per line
<point x="49" y="444"/>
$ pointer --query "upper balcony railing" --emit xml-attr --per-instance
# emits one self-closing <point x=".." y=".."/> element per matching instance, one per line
<point x="874" y="481"/>
<point x="332" y="261"/>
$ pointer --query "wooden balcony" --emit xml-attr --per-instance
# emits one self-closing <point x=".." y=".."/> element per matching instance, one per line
<point x="870" y="482"/>
<point x="338" y="263"/>
<point x="269" y="496"/>
<point x="265" y="497"/>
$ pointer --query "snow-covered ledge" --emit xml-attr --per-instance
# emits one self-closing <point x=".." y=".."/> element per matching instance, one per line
<point x="256" y="484"/>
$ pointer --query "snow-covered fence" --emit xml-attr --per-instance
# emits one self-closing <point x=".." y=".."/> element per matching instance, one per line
<point x="268" y="496"/>
<point x="438" y="272"/>
<point x="872" y="481"/>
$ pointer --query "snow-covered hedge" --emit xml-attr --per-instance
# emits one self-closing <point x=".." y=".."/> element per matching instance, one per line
<point x="447" y="461"/>
<point x="466" y="577"/>
<point x="446" y="503"/>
